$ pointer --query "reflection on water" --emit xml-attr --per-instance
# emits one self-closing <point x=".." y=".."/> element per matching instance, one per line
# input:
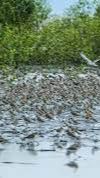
<point x="16" y="163"/>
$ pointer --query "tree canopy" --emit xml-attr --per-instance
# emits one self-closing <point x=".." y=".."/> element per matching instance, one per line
<point x="23" y="11"/>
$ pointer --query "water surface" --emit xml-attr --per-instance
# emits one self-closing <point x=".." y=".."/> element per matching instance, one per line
<point x="16" y="163"/>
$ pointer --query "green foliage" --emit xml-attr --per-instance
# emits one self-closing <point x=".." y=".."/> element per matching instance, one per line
<point x="62" y="41"/>
<point x="58" y="44"/>
<point x="97" y="13"/>
<point x="23" y="11"/>
<point x="57" y="41"/>
<point x="17" y="46"/>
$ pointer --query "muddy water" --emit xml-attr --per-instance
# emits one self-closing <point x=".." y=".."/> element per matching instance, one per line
<point x="16" y="163"/>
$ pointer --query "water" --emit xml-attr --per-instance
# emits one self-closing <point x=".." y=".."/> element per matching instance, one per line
<point x="16" y="163"/>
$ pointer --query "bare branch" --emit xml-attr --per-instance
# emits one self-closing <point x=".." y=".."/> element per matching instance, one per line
<point x="97" y="60"/>
<point x="89" y="62"/>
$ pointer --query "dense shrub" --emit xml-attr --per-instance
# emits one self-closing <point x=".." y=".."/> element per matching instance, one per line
<point x="23" y="11"/>
<point x="17" y="46"/>
<point x="61" y="41"/>
<point x="56" y="41"/>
